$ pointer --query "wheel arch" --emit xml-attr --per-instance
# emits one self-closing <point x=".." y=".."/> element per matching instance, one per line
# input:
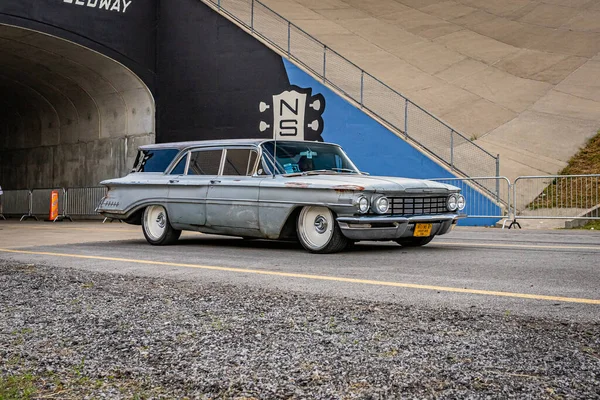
<point x="288" y="230"/>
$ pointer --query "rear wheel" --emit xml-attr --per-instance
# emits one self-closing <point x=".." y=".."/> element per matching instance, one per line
<point x="319" y="232"/>
<point x="414" y="241"/>
<point x="156" y="227"/>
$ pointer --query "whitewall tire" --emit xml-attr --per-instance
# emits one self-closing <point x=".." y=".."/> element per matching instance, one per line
<point x="157" y="229"/>
<point x="318" y="231"/>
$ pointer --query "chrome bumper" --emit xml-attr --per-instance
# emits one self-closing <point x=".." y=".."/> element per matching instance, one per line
<point x="390" y="228"/>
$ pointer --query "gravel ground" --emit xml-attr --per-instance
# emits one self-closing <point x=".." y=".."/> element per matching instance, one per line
<point x="71" y="334"/>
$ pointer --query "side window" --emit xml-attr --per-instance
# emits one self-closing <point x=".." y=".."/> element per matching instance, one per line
<point x="205" y="162"/>
<point x="239" y="162"/>
<point x="154" y="160"/>
<point x="180" y="167"/>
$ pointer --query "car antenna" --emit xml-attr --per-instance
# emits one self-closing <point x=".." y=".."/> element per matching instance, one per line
<point x="274" y="152"/>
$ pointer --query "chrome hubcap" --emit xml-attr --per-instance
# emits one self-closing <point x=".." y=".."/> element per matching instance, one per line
<point x="321" y="224"/>
<point x="315" y="226"/>
<point x="160" y="220"/>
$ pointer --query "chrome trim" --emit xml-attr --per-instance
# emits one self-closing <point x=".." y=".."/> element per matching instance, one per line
<point x="390" y="219"/>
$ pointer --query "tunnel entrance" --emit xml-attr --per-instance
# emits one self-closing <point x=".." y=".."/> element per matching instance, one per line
<point x="69" y="116"/>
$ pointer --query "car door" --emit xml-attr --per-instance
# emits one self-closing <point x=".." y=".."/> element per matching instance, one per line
<point x="188" y="187"/>
<point x="232" y="199"/>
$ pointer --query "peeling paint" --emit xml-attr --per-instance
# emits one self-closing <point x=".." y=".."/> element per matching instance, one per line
<point x="348" y="188"/>
<point x="297" y="184"/>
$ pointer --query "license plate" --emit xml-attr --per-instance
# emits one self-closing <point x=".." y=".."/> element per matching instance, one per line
<point x="423" y="229"/>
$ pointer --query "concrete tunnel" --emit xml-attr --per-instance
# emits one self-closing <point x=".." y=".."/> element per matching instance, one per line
<point x="69" y="116"/>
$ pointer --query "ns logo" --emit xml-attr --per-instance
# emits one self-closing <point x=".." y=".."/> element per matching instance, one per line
<point x="296" y="115"/>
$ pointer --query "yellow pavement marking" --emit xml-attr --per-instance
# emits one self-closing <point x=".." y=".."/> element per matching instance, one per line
<point x="518" y="246"/>
<point x="320" y="277"/>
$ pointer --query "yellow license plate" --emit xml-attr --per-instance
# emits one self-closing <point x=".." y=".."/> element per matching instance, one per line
<point x="422" y="230"/>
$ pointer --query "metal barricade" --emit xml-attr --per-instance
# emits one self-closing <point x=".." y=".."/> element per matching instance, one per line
<point x="82" y="201"/>
<point x="483" y="203"/>
<point x="389" y="106"/>
<point x="2" y="207"/>
<point x="17" y="203"/>
<point x="41" y="199"/>
<point x="557" y="197"/>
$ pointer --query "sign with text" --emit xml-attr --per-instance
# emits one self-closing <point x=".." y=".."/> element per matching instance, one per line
<point x="296" y="114"/>
<point x="108" y="5"/>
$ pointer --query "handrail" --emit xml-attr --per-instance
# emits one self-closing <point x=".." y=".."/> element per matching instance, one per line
<point x="466" y="157"/>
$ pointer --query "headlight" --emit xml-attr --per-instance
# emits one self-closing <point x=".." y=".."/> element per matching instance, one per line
<point x="452" y="202"/>
<point x="381" y="205"/>
<point x="363" y="204"/>
<point x="460" y="201"/>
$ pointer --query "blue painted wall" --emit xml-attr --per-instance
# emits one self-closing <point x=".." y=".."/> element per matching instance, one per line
<point x="375" y="149"/>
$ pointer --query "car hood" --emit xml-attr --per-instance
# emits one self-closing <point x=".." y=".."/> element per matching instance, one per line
<point x="369" y="183"/>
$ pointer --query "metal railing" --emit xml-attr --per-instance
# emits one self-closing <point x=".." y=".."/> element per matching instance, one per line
<point x="391" y="107"/>
<point x="35" y="203"/>
<point x="558" y="197"/>
<point x="16" y="203"/>
<point x="568" y="197"/>
<point x="41" y="199"/>
<point x="481" y="202"/>
<point x="82" y="201"/>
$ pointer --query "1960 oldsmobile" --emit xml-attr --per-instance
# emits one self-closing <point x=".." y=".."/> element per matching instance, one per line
<point x="291" y="190"/>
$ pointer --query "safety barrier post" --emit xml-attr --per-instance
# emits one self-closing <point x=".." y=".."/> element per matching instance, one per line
<point x="406" y="118"/>
<point x="362" y="87"/>
<point x="452" y="149"/>
<point x="324" y="62"/>
<point x="289" y="42"/>
<point x="1" y="206"/>
<point x="252" y="16"/>
<point x="30" y="207"/>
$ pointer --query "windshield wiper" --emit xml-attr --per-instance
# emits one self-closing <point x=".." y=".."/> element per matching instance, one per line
<point x="330" y="171"/>
<point x="344" y="170"/>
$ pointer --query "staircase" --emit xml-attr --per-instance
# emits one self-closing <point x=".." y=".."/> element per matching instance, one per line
<point x="398" y="113"/>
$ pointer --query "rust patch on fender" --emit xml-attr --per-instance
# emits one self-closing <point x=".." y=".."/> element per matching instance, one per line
<point x="297" y="184"/>
<point x="348" y="188"/>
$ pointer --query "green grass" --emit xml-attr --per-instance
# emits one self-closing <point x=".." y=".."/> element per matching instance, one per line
<point x="574" y="192"/>
<point x="17" y="387"/>
<point x="586" y="161"/>
<point x="592" y="225"/>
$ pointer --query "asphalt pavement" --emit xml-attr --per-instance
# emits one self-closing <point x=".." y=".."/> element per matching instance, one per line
<point x="551" y="274"/>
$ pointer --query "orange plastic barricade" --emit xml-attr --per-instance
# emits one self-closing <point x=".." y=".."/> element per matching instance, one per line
<point x="54" y="205"/>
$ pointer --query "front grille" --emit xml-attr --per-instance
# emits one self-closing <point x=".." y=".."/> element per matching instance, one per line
<point x="417" y="205"/>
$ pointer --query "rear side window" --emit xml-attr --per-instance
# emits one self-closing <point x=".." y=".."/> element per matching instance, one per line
<point x="205" y="162"/>
<point x="239" y="162"/>
<point x="156" y="160"/>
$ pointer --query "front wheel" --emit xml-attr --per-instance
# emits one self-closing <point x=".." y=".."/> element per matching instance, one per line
<point x="414" y="241"/>
<point x="319" y="232"/>
<point x="156" y="227"/>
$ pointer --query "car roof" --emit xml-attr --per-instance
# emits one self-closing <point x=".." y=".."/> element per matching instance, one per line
<point x="220" y="142"/>
<point x="183" y="145"/>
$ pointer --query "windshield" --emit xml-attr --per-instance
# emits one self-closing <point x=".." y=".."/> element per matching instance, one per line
<point x="300" y="157"/>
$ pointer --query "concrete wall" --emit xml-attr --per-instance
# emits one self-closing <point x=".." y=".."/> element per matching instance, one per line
<point x="212" y="75"/>
<point x="70" y="116"/>
<point x="75" y="90"/>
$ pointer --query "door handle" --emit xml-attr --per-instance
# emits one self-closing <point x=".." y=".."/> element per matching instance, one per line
<point x="213" y="181"/>
<point x="173" y="180"/>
